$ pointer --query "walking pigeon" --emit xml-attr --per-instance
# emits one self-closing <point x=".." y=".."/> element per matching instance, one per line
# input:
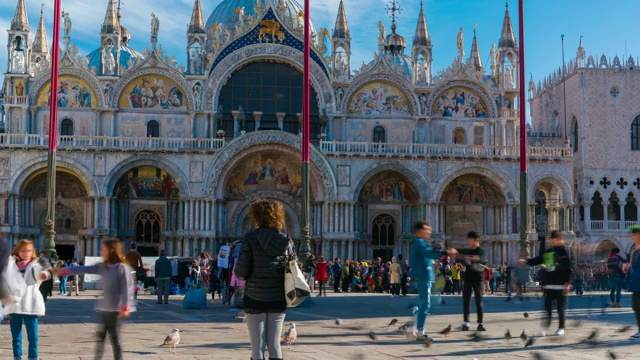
<point x="530" y="342"/>
<point x="507" y="335"/>
<point x="446" y="331"/>
<point x="523" y="336"/>
<point x="623" y="329"/>
<point x="612" y="355"/>
<point x="372" y="335"/>
<point x="290" y="335"/>
<point x="172" y="340"/>
<point x="393" y="322"/>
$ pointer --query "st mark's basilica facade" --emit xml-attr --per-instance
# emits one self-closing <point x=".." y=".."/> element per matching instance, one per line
<point x="169" y="155"/>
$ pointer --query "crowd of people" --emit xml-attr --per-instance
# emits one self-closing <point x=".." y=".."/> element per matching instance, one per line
<point x="263" y="256"/>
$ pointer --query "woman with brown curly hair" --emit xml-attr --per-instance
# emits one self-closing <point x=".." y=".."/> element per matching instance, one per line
<point x="261" y="265"/>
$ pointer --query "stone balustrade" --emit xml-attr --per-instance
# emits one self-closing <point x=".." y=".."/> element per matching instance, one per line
<point x="16" y="100"/>
<point x="111" y="143"/>
<point x="337" y="148"/>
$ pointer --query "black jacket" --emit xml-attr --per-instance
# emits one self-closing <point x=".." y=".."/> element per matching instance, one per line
<point x="558" y="266"/>
<point x="261" y="264"/>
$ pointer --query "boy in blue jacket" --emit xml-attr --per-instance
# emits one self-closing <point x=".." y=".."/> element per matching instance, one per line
<point x="421" y="263"/>
<point x="633" y="269"/>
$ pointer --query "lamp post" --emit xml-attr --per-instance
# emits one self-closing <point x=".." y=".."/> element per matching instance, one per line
<point x="49" y="223"/>
<point x="524" y="216"/>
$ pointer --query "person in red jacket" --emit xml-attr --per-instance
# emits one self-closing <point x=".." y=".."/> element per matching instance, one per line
<point x="321" y="275"/>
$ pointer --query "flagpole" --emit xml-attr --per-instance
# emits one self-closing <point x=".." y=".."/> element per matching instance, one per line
<point x="49" y="224"/>
<point x="305" y="239"/>
<point x="524" y="203"/>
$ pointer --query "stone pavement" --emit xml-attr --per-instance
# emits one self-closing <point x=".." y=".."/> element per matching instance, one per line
<point x="67" y="331"/>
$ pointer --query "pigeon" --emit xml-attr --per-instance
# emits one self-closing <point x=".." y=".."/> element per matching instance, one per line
<point x="339" y="322"/>
<point x="172" y="340"/>
<point x="530" y="341"/>
<point x="406" y="326"/>
<point x="393" y="322"/>
<point x="577" y="323"/>
<point x="476" y="337"/>
<point x="446" y="331"/>
<point x="428" y="342"/>
<point x="290" y="335"/>
<point x="526" y="315"/>
<point x="538" y="356"/>
<point x="523" y="335"/>
<point x="591" y="339"/>
<point x="612" y="355"/>
<point x="623" y="329"/>
<point x="372" y="335"/>
<point x="507" y="335"/>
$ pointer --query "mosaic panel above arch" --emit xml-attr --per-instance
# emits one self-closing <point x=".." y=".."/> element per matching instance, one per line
<point x="146" y="182"/>
<point x="266" y="171"/>
<point x="459" y="102"/>
<point x="388" y="186"/>
<point x="153" y="91"/>
<point x="378" y="99"/>
<point x="68" y="185"/>
<point x="73" y="92"/>
<point x="474" y="190"/>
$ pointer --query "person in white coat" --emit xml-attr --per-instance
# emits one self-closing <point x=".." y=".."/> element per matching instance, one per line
<point x="25" y="264"/>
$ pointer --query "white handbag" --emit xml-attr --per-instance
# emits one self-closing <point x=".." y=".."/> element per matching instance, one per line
<point x="13" y="283"/>
<point x="296" y="289"/>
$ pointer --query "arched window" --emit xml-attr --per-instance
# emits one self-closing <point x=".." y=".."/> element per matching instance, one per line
<point x="597" y="212"/>
<point x="147" y="227"/>
<point x="574" y="134"/>
<point x="153" y="129"/>
<point x="630" y="208"/>
<point x="269" y="88"/>
<point x="66" y="128"/>
<point x="384" y="231"/>
<point x="635" y="133"/>
<point x="379" y="134"/>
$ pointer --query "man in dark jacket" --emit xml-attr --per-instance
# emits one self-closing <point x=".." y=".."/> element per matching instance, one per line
<point x="336" y="271"/>
<point x="557" y="279"/>
<point x="633" y="270"/>
<point x="475" y="262"/>
<point x="163" y="277"/>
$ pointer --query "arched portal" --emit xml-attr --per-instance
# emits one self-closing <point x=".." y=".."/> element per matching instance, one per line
<point x="473" y="202"/>
<point x="603" y="249"/>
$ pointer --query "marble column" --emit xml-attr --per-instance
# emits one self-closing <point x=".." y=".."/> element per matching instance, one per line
<point x="236" y="128"/>
<point x="343" y="249"/>
<point x="587" y="215"/>
<point x="350" y="249"/>
<point x="334" y="252"/>
<point x="257" y="117"/>
<point x="280" y="116"/>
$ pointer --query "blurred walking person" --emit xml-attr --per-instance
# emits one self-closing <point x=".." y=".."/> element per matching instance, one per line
<point x="395" y="271"/>
<point x="25" y="261"/>
<point x="261" y="264"/>
<point x="336" y="270"/>
<point x="117" y="298"/>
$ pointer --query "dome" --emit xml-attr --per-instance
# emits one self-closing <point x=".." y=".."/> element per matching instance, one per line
<point x="224" y="14"/>
<point x="394" y="43"/>
<point x="401" y="64"/>
<point x="126" y="54"/>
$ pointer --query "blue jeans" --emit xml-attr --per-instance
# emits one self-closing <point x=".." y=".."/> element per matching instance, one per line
<point x="424" y="303"/>
<point x="63" y="284"/>
<point x="494" y="287"/>
<point x="264" y="334"/>
<point x="31" y="323"/>
<point x="616" y="289"/>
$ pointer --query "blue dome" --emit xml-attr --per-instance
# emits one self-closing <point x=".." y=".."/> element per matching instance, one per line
<point x="126" y="53"/>
<point x="404" y="62"/>
<point x="224" y="14"/>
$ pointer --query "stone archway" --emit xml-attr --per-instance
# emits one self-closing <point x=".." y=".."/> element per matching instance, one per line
<point x="473" y="202"/>
<point x="604" y="248"/>
<point x="241" y="223"/>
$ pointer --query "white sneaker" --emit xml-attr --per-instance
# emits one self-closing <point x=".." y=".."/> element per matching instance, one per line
<point x="559" y="332"/>
<point x="544" y="332"/>
<point x="636" y="336"/>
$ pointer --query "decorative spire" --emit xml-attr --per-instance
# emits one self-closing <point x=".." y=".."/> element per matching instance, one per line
<point x="341" y="29"/>
<point x="507" y="38"/>
<point x="475" y="58"/>
<point x="40" y="42"/>
<point x="20" y="20"/>
<point x="197" y="23"/>
<point x="111" y="24"/>
<point x="393" y="9"/>
<point x="422" y="33"/>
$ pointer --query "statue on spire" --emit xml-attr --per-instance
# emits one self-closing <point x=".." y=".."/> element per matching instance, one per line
<point x="155" y="27"/>
<point x="66" y="22"/>
<point x="460" y="44"/>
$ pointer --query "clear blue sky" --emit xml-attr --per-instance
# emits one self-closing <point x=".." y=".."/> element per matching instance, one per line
<point x="605" y="26"/>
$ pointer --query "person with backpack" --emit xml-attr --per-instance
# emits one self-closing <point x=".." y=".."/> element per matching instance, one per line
<point x="616" y="277"/>
<point x="116" y="303"/>
<point x="557" y="279"/>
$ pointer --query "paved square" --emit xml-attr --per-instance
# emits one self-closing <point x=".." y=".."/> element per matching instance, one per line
<point x="67" y="331"/>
